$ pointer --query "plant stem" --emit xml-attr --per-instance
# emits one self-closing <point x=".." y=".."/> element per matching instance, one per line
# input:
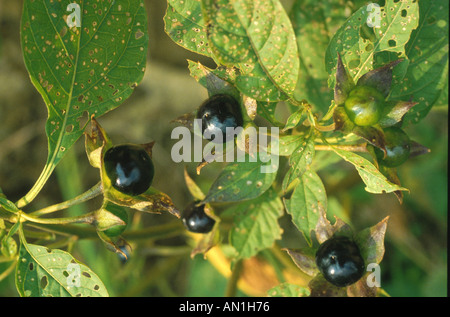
<point x="9" y="269"/>
<point x="89" y="194"/>
<point x="87" y="218"/>
<point x="233" y="280"/>
<point x="37" y="187"/>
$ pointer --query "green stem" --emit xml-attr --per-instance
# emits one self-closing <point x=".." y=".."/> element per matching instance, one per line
<point x="87" y="218"/>
<point x="233" y="280"/>
<point x="8" y="270"/>
<point x="37" y="187"/>
<point x="89" y="194"/>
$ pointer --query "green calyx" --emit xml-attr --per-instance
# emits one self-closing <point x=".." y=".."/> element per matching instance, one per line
<point x="111" y="219"/>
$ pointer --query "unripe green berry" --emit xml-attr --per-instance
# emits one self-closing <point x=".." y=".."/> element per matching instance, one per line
<point x="398" y="148"/>
<point x="364" y="105"/>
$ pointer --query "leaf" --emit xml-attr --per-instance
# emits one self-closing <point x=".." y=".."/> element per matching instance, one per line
<point x="288" y="144"/>
<point x="152" y="201"/>
<point x="193" y="188"/>
<point x="83" y="70"/>
<point x="371" y="242"/>
<point x="375" y="181"/>
<point x="241" y="181"/>
<point x="324" y="230"/>
<point x="267" y="111"/>
<point x="398" y="19"/>
<point x="305" y="259"/>
<point x="44" y="272"/>
<point x="322" y="288"/>
<point x="427" y="73"/>
<point x="312" y="33"/>
<point x="299" y="161"/>
<point x="184" y="24"/>
<point x="216" y="81"/>
<point x="7" y="204"/>
<point x="344" y="83"/>
<point x="288" y="290"/>
<point x="256" y="224"/>
<point x="303" y="205"/>
<point x="294" y="119"/>
<point x="258" y="37"/>
<point x="394" y="112"/>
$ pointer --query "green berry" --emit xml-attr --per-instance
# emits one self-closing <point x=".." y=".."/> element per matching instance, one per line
<point x="398" y="148"/>
<point x="364" y="105"/>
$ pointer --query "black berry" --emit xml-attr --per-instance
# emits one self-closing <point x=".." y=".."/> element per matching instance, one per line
<point x="130" y="169"/>
<point x="196" y="220"/>
<point x="340" y="261"/>
<point x="218" y="113"/>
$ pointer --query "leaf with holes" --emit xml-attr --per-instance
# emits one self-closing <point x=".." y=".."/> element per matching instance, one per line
<point x="375" y="181"/>
<point x="42" y="272"/>
<point x="427" y="74"/>
<point x="84" y="59"/>
<point x="358" y="44"/>
<point x="242" y="181"/>
<point x="256" y="224"/>
<point x="257" y="36"/>
<point x="303" y="205"/>
<point x="313" y="35"/>
<point x="288" y="290"/>
<point x="184" y="24"/>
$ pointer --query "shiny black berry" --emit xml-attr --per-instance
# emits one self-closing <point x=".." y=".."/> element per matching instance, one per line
<point x="398" y="148"/>
<point x="340" y="261"/>
<point x="129" y="168"/>
<point x="218" y="113"/>
<point x="196" y="220"/>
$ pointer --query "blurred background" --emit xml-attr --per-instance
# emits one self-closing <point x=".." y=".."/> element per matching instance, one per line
<point x="415" y="262"/>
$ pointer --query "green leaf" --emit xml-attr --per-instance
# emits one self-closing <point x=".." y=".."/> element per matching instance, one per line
<point x="427" y="74"/>
<point x="371" y="242"/>
<point x="256" y="224"/>
<point x="288" y="290"/>
<point x="288" y="144"/>
<point x="241" y="181"/>
<point x="184" y="24"/>
<point x="257" y="36"/>
<point x="398" y="19"/>
<point x="43" y="272"/>
<point x="294" y="119"/>
<point x="303" y="205"/>
<point x="216" y="81"/>
<point x="299" y="161"/>
<point x="375" y="181"/>
<point x="84" y="70"/>
<point x="312" y="32"/>
<point x="7" y="204"/>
